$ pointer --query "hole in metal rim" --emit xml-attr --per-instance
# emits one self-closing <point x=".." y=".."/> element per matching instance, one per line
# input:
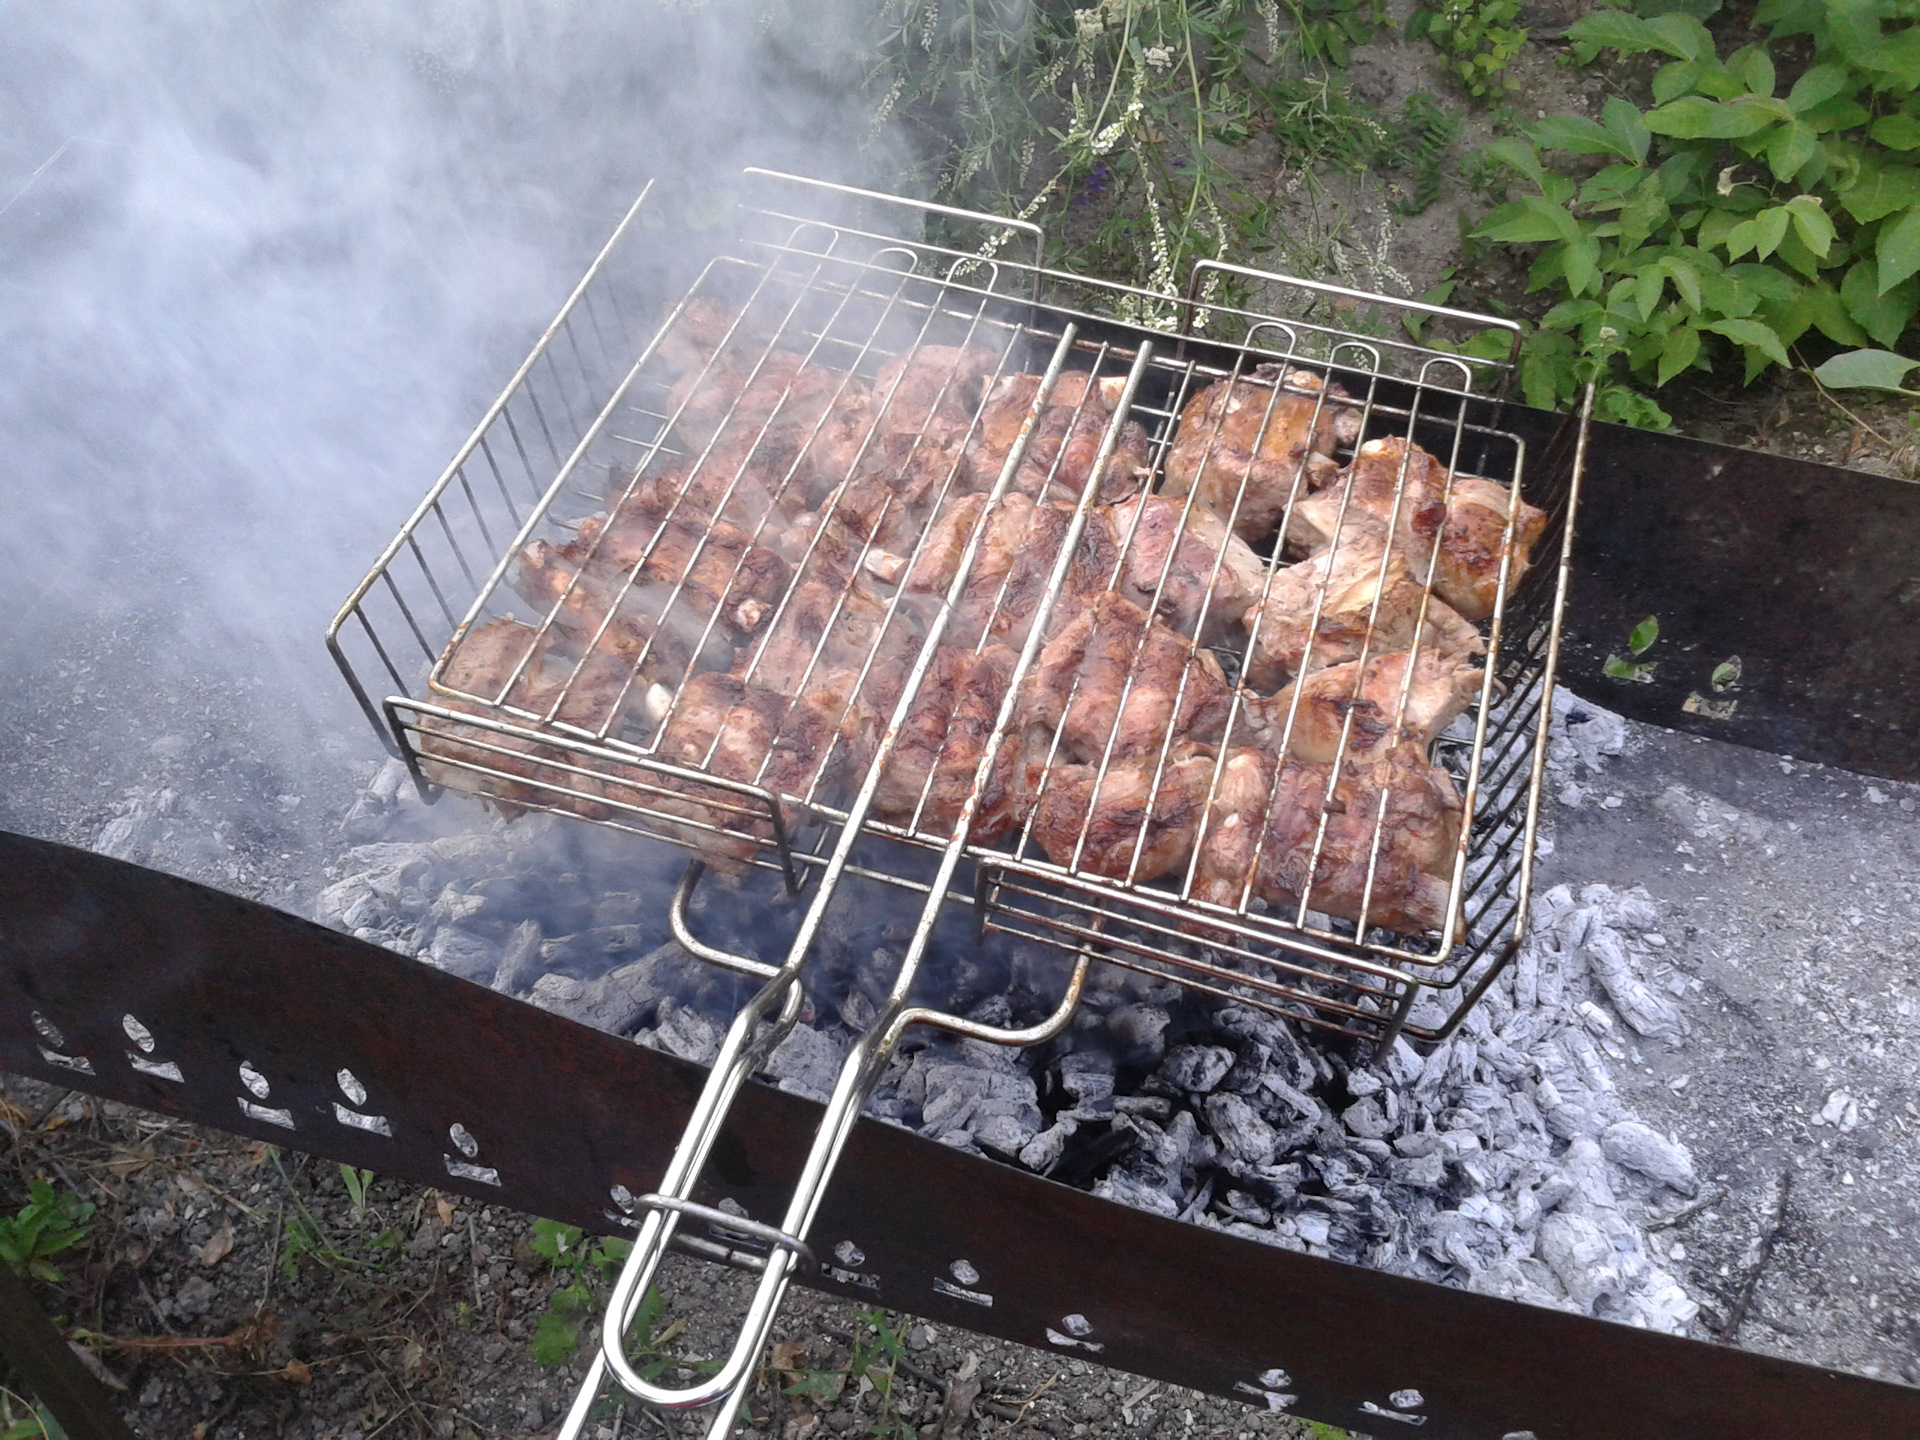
<point x="849" y="1254"/>
<point x="964" y="1272"/>
<point x="48" y="1031"/>
<point x="137" y="1033"/>
<point x="254" y="1080"/>
<point x="351" y="1087"/>
<point x="463" y="1140"/>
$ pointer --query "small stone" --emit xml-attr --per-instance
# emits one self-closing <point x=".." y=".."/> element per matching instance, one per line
<point x="1241" y="1131"/>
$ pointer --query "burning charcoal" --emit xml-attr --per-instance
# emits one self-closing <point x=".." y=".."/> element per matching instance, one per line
<point x="462" y="953"/>
<point x="1137" y="1193"/>
<point x="1648" y="1012"/>
<point x="1241" y="1131"/>
<point x="1086" y="1077"/>
<point x="1571" y="1119"/>
<point x="1043" y="1151"/>
<point x="1243" y="1207"/>
<point x="589" y="953"/>
<point x="685" y="1032"/>
<point x="519" y="963"/>
<point x="1638" y="1147"/>
<point x="1362" y="1083"/>
<point x="806" y="1062"/>
<point x="1003" y="1135"/>
<point x="1368" y="1118"/>
<point x="1195" y="1068"/>
<point x="1580" y="1256"/>
<point x="1138" y="1034"/>
<point x="1427" y="1172"/>
<point x="1151" y="1107"/>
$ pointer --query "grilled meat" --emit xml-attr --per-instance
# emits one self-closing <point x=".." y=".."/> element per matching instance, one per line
<point x="939" y="750"/>
<point x="1362" y="501"/>
<point x="1124" y="826"/>
<point x="1363" y="703"/>
<point x="609" y="588"/>
<point x="1059" y="458"/>
<point x="1245" y="447"/>
<point x="1396" y="819"/>
<point x="788" y="415"/>
<point x="826" y="624"/>
<point x="1116" y="682"/>
<point x="1468" y="575"/>
<point x="1019" y="548"/>
<point x="1182" y="563"/>
<point x="478" y="669"/>
<point x="722" y="726"/>
<point x="933" y="390"/>
<point x="1289" y="640"/>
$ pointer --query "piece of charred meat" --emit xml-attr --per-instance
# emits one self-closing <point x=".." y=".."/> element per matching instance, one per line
<point x="1058" y="461"/>
<point x="933" y="390"/>
<point x="876" y="520"/>
<point x="653" y="593"/>
<point x="937" y="756"/>
<point x="1182" y="563"/>
<point x="1247" y="446"/>
<point x="1117" y="683"/>
<point x="1468" y="574"/>
<point x="1018" y="551"/>
<point x="1368" y="589"/>
<point x="506" y="670"/>
<point x="721" y="726"/>
<point x="1392" y="828"/>
<point x="1392" y="488"/>
<point x="774" y="410"/>
<point x="1124" y="825"/>
<point x="826" y="625"/>
<point x="1360" y="712"/>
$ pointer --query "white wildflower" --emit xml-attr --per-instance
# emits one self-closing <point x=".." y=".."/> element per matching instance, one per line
<point x="1088" y="25"/>
<point x="1160" y="57"/>
<point x="1270" y="13"/>
<point x="931" y="28"/>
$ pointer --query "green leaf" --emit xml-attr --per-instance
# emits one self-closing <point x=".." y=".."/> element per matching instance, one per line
<point x="1897" y="132"/>
<point x="1895" y="55"/>
<point x="1625" y="123"/>
<point x="555" y="1338"/>
<point x="1810" y="222"/>
<point x="1676" y="79"/>
<point x="1841" y="113"/>
<point x="1883" y="316"/>
<point x="1753" y="335"/>
<point x="1754" y="69"/>
<point x="1647" y="289"/>
<point x="1583" y="264"/>
<point x="1681" y="36"/>
<point x="1685" y="280"/>
<point x="1693" y="117"/>
<point x="1898" y="250"/>
<point x="1644" y="634"/>
<point x="1828" y="313"/>
<point x="1531" y="219"/>
<point x="1615" y="30"/>
<point x="1579" y="135"/>
<point x="1865" y="370"/>
<point x="1678" y="351"/>
<point x="1687" y="118"/>
<point x="1621" y="669"/>
<point x="1789" y="148"/>
<point x="1819" y="85"/>
<point x="1881" y="190"/>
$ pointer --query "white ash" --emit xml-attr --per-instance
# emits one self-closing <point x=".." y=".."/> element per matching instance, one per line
<point x="1504" y="1160"/>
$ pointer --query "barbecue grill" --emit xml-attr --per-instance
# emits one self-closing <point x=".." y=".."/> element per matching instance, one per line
<point x="818" y="270"/>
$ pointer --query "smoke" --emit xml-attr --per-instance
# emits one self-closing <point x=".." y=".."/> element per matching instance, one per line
<point x="265" y="263"/>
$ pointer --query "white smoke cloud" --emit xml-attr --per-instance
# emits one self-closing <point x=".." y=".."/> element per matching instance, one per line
<point x="263" y="264"/>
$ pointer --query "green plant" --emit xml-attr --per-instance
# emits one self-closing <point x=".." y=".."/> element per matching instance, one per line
<point x="1639" y="640"/>
<point x="1477" y="38"/>
<point x="1730" y="218"/>
<point x="588" y="1266"/>
<point x="1109" y="109"/>
<point x="878" y="1348"/>
<point x="51" y="1223"/>
<point x="356" y="1182"/>
<point x="21" y="1419"/>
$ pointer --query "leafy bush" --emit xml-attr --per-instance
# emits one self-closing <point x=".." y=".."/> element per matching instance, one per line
<point x="51" y="1223"/>
<point x="588" y="1267"/>
<point x="1730" y="219"/>
<point x="1478" y="39"/>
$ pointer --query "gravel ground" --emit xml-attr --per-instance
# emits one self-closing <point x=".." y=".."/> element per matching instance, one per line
<point x="230" y="1289"/>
